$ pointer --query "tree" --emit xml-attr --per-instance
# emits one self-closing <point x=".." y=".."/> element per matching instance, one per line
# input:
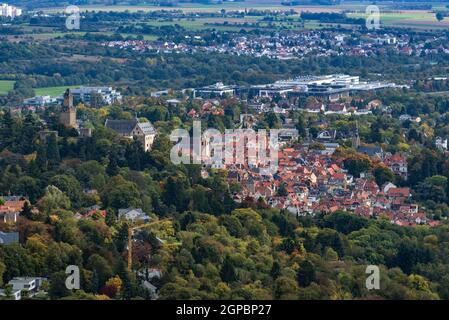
<point x="275" y="270"/>
<point x="306" y="273"/>
<point x="58" y="288"/>
<point x="175" y="192"/>
<point x="357" y="163"/>
<point x="120" y="193"/>
<point x="8" y="292"/>
<point x="272" y="120"/>
<point x="26" y="211"/>
<point x="285" y="288"/>
<point x="129" y="287"/>
<point x="101" y="267"/>
<point x="227" y="272"/>
<point x="53" y="199"/>
<point x="52" y="150"/>
<point x="301" y="126"/>
<point x="69" y="185"/>
<point x="112" y="287"/>
<point x="2" y="271"/>
<point x="439" y="15"/>
<point x="382" y="174"/>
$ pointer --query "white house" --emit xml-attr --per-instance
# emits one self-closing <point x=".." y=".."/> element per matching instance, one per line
<point x="17" y="294"/>
<point x="133" y="214"/>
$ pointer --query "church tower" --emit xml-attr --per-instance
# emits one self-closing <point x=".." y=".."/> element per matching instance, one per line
<point x="68" y="111"/>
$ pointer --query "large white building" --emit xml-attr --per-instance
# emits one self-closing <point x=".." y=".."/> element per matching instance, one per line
<point x="9" y="11"/>
<point x="107" y="95"/>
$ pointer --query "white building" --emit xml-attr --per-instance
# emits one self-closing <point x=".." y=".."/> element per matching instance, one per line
<point x="85" y="94"/>
<point x="17" y="294"/>
<point x="133" y="214"/>
<point x="441" y="143"/>
<point x="9" y="11"/>
<point x="39" y="101"/>
<point x="215" y="90"/>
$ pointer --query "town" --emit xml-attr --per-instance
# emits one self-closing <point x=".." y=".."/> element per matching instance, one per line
<point x="224" y="150"/>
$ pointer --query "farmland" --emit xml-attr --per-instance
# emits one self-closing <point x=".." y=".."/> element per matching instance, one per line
<point x="52" y="91"/>
<point x="5" y="86"/>
<point x="417" y="19"/>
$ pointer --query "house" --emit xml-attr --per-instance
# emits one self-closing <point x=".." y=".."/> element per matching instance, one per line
<point x="133" y="214"/>
<point x="371" y="151"/>
<point x="9" y="237"/>
<point x="441" y="143"/>
<point x="144" y="132"/>
<point x="151" y="288"/>
<point x="327" y="135"/>
<point x="316" y="107"/>
<point x="8" y="215"/>
<point x="398" y="164"/>
<point x="339" y="108"/>
<point x="150" y="273"/>
<point x="17" y="294"/>
<point x="24" y="283"/>
<point x="95" y="212"/>
<point x="10" y="210"/>
<point x="407" y="117"/>
<point x="30" y="285"/>
<point x="399" y="193"/>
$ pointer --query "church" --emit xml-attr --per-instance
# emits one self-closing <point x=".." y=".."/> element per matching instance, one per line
<point x="144" y="132"/>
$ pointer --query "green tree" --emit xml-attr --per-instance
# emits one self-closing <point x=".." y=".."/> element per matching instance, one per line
<point x="227" y="272"/>
<point x="306" y="273"/>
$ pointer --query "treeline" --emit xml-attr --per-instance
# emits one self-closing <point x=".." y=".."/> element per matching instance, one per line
<point x="331" y="17"/>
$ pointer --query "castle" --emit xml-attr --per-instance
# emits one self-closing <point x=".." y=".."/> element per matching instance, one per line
<point x="68" y="111"/>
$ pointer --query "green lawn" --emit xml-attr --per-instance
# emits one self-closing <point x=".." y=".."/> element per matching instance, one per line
<point x="5" y="86"/>
<point x="411" y="19"/>
<point x="52" y="91"/>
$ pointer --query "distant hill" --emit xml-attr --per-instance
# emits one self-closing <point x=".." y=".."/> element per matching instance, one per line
<point x="33" y="4"/>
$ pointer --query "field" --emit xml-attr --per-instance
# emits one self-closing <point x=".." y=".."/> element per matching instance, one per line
<point x="5" y="86"/>
<point x="52" y="91"/>
<point x="417" y="19"/>
<point x="53" y="35"/>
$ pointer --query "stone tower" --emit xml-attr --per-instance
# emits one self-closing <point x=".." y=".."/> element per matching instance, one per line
<point x="68" y="111"/>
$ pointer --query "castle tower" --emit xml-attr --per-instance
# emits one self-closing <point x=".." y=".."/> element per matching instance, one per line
<point x="68" y="111"/>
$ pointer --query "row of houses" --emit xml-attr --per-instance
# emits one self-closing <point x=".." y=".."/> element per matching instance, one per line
<point x="309" y="182"/>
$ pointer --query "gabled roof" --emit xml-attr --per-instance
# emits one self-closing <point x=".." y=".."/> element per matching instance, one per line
<point x="124" y="127"/>
<point x="146" y="127"/>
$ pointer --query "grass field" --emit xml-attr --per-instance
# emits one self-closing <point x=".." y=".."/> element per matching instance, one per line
<point x="52" y="91"/>
<point x="5" y="86"/>
<point x="50" y="35"/>
<point x="419" y="19"/>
